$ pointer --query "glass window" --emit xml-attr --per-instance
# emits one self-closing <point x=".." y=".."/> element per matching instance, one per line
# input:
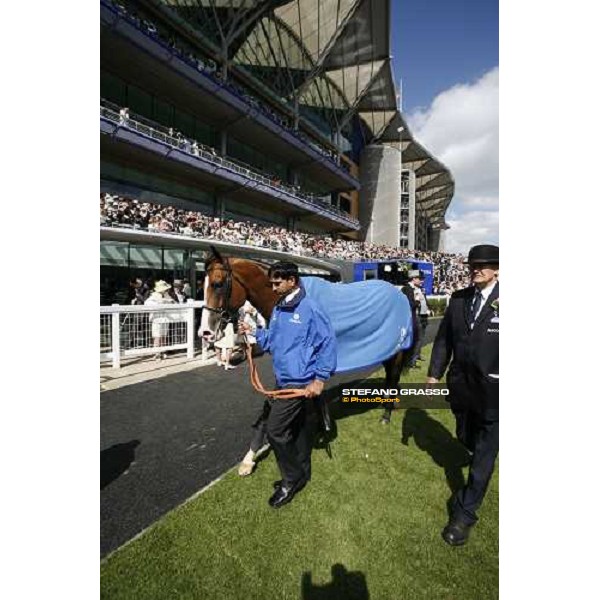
<point x="205" y="134"/>
<point x="145" y="257"/>
<point x="163" y="112"/>
<point x="113" y="254"/>
<point x="139" y="101"/>
<point x="112" y="88"/>
<point x="184" y="123"/>
<point x="369" y="274"/>
<point x="174" y="259"/>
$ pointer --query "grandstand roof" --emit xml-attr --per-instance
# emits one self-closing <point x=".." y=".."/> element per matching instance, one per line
<point x="434" y="182"/>
<point x="329" y="55"/>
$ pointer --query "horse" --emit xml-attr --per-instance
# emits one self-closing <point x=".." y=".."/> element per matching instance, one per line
<point x="230" y="282"/>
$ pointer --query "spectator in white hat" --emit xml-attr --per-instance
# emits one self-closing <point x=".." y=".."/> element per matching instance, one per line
<point x="159" y="320"/>
<point x="224" y="347"/>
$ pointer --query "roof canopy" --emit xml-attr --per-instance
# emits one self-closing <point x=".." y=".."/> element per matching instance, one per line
<point x="332" y="57"/>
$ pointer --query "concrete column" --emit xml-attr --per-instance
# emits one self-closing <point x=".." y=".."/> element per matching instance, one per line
<point x="412" y="209"/>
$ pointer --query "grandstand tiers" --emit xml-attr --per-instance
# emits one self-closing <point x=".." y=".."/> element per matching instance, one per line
<point x="264" y="110"/>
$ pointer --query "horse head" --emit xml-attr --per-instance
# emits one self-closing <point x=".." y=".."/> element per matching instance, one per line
<point x="228" y="284"/>
<point x="224" y="294"/>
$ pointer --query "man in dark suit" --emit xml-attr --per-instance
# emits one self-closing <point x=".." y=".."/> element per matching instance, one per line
<point x="468" y="336"/>
<point x="412" y="291"/>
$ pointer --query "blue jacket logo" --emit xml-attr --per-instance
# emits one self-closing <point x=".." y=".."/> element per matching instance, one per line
<point x="296" y="319"/>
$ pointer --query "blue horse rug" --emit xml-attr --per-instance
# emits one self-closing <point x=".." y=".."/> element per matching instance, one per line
<point x="371" y="320"/>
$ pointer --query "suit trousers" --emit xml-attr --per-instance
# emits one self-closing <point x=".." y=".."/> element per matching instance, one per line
<point x="289" y="431"/>
<point x="422" y="321"/>
<point x="259" y="437"/>
<point x="479" y="432"/>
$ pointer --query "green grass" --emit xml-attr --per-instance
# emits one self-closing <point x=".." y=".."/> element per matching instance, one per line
<point x="376" y="508"/>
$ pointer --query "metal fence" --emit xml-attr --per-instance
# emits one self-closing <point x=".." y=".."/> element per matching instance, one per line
<point x="210" y="155"/>
<point x="133" y="331"/>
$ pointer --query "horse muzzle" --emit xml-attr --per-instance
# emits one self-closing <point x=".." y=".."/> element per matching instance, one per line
<point x="208" y="336"/>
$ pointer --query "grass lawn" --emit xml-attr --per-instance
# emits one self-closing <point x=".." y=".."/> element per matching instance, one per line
<point x="367" y="526"/>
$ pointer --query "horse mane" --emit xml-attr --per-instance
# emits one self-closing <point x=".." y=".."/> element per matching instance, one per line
<point x="216" y="256"/>
<point x="258" y="263"/>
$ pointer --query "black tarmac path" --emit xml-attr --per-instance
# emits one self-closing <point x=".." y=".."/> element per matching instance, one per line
<point x="165" y="439"/>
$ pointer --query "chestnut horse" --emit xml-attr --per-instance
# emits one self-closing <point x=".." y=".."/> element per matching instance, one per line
<point x="231" y="281"/>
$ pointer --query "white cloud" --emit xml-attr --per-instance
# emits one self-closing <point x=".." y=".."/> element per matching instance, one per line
<point x="460" y="128"/>
<point x="470" y="228"/>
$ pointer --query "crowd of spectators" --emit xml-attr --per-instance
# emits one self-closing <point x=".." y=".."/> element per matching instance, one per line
<point x="175" y="137"/>
<point x="450" y="270"/>
<point x="208" y="67"/>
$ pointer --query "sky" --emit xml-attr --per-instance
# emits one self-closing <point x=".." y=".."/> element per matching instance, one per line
<point x="446" y="54"/>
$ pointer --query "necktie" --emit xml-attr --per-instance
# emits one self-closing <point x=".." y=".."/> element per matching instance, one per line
<point x="475" y="308"/>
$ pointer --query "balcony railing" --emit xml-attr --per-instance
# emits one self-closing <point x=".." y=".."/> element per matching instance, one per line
<point x="191" y="147"/>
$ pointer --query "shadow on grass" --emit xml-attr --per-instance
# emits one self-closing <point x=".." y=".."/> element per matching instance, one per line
<point x="115" y="461"/>
<point x="432" y="437"/>
<point x="345" y="585"/>
<point x="341" y="410"/>
<point x="337" y="410"/>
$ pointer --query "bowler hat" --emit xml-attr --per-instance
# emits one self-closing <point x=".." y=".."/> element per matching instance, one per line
<point x="484" y="253"/>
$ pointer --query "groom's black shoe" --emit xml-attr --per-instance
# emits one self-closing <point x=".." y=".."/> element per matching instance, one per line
<point x="284" y="494"/>
<point x="456" y="533"/>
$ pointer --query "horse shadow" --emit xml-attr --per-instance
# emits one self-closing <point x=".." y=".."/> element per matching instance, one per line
<point x="344" y="585"/>
<point x="326" y="429"/>
<point x="432" y="437"/>
<point x="341" y="410"/>
<point x="115" y="461"/>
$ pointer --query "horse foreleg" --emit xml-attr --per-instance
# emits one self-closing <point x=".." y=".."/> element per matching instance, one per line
<point x="248" y="463"/>
<point x="393" y="367"/>
<point x="258" y="443"/>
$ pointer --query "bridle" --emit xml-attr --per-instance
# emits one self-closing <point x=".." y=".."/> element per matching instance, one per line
<point x="226" y="312"/>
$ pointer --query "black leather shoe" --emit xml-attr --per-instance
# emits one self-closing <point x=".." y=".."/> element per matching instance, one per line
<point x="297" y="487"/>
<point x="281" y="496"/>
<point x="456" y="533"/>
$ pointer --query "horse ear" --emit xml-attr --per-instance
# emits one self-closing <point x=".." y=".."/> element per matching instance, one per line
<point x="216" y="254"/>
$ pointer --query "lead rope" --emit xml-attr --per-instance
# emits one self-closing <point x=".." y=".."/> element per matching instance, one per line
<point x="258" y="386"/>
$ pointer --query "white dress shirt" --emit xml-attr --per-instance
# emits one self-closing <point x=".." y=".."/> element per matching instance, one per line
<point x="485" y="294"/>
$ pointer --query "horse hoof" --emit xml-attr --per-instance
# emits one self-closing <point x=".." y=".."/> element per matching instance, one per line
<point x="385" y="421"/>
<point x="246" y="468"/>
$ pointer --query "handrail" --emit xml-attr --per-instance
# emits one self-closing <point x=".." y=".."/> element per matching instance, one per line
<point x="214" y="75"/>
<point x="192" y="148"/>
<point x="149" y="308"/>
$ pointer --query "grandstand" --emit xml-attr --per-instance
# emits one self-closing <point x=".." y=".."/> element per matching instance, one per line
<point x="284" y="113"/>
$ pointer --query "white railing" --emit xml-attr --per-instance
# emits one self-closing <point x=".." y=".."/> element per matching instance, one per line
<point x="445" y="297"/>
<point x="131" y="331"/>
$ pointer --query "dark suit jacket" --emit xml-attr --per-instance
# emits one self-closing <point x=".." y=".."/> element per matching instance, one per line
<point x="472" y="354"/>
<point x="409" y="292"/>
